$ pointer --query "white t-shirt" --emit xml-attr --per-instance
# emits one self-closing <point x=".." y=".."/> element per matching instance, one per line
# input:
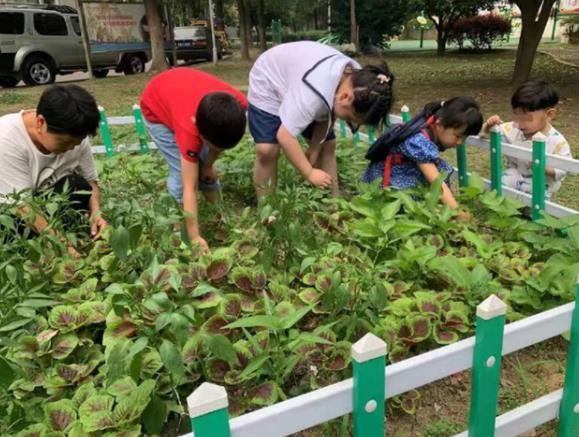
<point x="23" y="166"/>
<point x="297" y="82"/>
<point x="555" y="144"/>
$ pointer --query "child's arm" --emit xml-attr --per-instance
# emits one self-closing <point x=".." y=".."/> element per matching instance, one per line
<point x="430" y="172"/>
<point x="190" y="176"/>
<point x="495" y="120"/>
<point x="297" y="157"/>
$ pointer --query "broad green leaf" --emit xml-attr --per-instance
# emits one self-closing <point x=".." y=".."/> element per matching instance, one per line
<point x="265" y="394"/>
<point x="120" y="240"/>
<point x="95" y="404"/>
<point x="221" y="348"/>
<point x="63" y="318"/>
<point x="254" y="366"/>
<point x="98" y="421"/>
<point x="172" y="359"/>
<point x="7" y="374"/>
<point x="122" y="387"/>
<point x="38" y="430"/>
<point x="83" y="393"/>
<point x="367" y="228"/>
<point x="155" y="415"/>
<point x="390" y="210"/>
<point x="60" y="415"/>
<point x="64" y="345"/>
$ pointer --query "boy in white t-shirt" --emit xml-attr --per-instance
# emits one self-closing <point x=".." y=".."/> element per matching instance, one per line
<point x="534" y="107"/>
<point x="48" y="149"/>
<point x="301" y="88"/>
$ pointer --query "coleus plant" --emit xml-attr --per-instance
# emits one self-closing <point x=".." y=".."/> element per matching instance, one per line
<point x="145" y="317"/>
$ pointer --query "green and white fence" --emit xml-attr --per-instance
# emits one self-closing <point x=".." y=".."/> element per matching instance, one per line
<point x="373" y="383"/>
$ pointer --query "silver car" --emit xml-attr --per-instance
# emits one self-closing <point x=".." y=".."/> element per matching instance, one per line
<point x="38" y="42"/>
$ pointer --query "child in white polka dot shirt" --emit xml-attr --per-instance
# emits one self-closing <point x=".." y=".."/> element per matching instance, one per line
<point x="534" y="107"/>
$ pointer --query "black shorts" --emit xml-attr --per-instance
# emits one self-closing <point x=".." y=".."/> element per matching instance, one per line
<point x="263" y="127"/>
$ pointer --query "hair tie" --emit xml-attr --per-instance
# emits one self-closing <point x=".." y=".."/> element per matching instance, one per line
<point x="382" y="78"/>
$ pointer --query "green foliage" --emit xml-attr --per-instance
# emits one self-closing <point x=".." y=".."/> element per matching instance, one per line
<point x="113" y="343"/>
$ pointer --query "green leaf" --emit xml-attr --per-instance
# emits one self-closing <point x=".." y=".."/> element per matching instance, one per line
<point x="96" y="404"/>
<point x="64" y="345"/>
<point x="254" y="366"/>
<point x="63" y="318"/>
<point x="98" y="421"/>
<point x="130" y="408"/>
<point x="15" y="325"/>
<point x="204" y="288"/>
<point x="270" y="322"/>
<point x="60" y="415"/>
<point x="172" y="359"/>
<point x="7" y="374"/>
<point x="122" y="387"/>
<point x="367" y="228"/>
<point x="390" y="210"/>
<point x="155" y="415"/>
<point x="292" y="319"/>
<point x="83" y="393"/>
<point x="38" y="430"/>
<point x="306" y="263"/>
<point x="120" y="240"/>
<point x="265" y="394"/>
<point x="221" y="348"/>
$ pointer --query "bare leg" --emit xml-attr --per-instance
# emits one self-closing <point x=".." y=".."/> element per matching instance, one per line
<point x="265" y="170"/>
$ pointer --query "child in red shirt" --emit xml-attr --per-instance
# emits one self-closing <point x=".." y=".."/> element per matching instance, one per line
<point x="193" y="117"/>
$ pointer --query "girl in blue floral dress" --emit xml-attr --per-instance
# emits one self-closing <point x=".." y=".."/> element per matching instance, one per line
<point x="416" y="160"/>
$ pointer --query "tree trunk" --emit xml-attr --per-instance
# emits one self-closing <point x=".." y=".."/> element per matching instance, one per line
<point x="531" y="34"/>
<point x="219" y="10"/>
<point x="248" y="24"/>
<point x="441" y="43"/>
<point x="261" y="25"/>
<point x="159" y="62"/>
<point x="243" y="30"/>
<point x="353" y="24"/>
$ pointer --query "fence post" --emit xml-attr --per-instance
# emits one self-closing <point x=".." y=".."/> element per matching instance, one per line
<point x="140" y="126"/>
<point x="342" y="128"/>
<point x="369" y="362"/>
<point x="462" y="166"/>
<point x="538" y="175"/>
<point x="356" y="138"/>
<point x="405" y="114"/>
<point x="371" y="135"/>
<point x="569" y="409"/>
<point x="208" y="411"/>
<point x="486" y="367"/>
<point x="106" y="133"/>
<point x="496" y="160"/>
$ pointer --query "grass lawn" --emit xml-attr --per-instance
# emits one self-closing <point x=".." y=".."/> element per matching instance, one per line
<point x="420" y="78"/>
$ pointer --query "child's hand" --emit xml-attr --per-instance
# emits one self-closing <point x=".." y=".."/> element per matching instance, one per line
<point x="495" y="120"/>
<point x="319" y="178"/>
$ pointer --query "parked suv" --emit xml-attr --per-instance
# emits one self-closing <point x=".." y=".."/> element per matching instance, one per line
<point x="38" y="42"/>
<point x="193" y="42"/>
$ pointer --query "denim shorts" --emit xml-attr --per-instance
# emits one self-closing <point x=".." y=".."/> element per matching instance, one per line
<point x="263" y="127"/>
<point x="164" y="139"/>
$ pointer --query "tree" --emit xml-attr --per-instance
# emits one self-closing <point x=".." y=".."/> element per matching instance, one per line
<point x="261" y="25"/>
<point x="372" y="26"/>
<point x="444" y="13"/>
<point x="244" y="28"/>
<point x="534" y="17"/>
<point x="353" y="24"/>
<point x="159" y="60"/>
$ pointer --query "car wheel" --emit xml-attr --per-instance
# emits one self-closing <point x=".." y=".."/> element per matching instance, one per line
<point x="99" y="74"/>
<point x="38" y="70"/>
<point x="8" y="82"/>
<point x="133" y="64"/>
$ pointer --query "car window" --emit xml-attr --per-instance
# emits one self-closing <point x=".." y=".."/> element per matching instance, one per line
<point x="189" y="32"/>
<point x="11" y="23"/>
<point x="50" y="24"/>
<point x="75" y="25"/>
